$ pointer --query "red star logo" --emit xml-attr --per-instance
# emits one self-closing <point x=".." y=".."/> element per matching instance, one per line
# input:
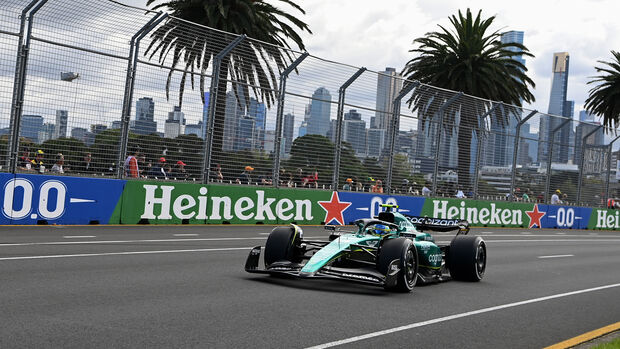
<point x="334" y="208"/>
<point x="535" y="216"/>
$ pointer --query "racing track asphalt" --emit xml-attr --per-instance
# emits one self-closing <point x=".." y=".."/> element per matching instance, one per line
<point x="122" y="287"/>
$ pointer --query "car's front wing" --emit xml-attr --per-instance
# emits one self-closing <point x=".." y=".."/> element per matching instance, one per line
<point x="359" y="275"/>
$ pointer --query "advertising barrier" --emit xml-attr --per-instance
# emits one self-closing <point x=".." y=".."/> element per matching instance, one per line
<point x="37" y="199"/>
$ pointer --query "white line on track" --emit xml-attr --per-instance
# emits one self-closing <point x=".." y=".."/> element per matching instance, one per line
<point x="557" y="256"/>
<point x="179" y="235"/>
<point x="458" y="316"/>
<point x="124" y="253"/>
<point x="78" y="236"/>
<point x="586" y="239"/>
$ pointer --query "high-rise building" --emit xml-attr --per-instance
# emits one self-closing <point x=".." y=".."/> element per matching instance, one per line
<point x="389" y="84"/>
<point x="582" y="129"/>
<point x="375" y="142"/>
<point x="500" y="143"/>
<point x="30" y="126"/>
<point x="144" y="123"/>
<point x="288" y="128"/>
<point x="194" y="129"/>
<point x="47" y="132"/>
<point x="175" y="124"/>
<point x="246" y="136"/>
<point x="318" y="122"/>
<point x="258" y="111"/>
<point x="234" y="111"/>
<point x="558" y="106"/>
<point x="354" y="131"/>
<point x="60" y="130"/>
<point x="584" y="116"/>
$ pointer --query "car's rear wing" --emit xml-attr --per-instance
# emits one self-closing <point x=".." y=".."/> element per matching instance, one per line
<point x="439" y="224"/>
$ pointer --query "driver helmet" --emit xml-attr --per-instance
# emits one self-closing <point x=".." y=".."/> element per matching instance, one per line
<point x="380" y="229"/>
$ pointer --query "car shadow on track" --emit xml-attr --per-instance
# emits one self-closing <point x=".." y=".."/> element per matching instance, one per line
<point x="328" y="286"/>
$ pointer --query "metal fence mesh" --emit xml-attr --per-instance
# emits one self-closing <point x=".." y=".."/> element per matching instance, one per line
<point x="101" y="82"/>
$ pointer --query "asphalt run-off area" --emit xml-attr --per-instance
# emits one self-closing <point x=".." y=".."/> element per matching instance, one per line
<point x="185" y="286"/>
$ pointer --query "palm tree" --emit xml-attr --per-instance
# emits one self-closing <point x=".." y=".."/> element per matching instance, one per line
<point x="251" y="64"/>
<point x="469" y="60"/>
<point x="604" y="99"/>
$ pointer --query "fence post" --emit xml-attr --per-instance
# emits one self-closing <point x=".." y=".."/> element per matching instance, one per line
<point x="439" y="130"/>
<point x="550" y="157"/>
<point x="210" y="122"/>
<point x="19" y="83"/>
<point x="132" y="64"/>
<point x="394" y="129"/>
<point x="515" y="151"/>
<point x="479" y="150"/>
<point x="581" y="161"/>
<point x="339" y="122"/>
<point x="280" y="116"/>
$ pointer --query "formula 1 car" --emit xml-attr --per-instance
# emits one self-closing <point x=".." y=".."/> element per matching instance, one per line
<point x="390" y="250"/>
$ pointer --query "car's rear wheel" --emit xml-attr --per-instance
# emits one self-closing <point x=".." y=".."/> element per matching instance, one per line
<point x="405" y="251"/>
<point x="467" y="259"/>
<point x="282" y="245"/>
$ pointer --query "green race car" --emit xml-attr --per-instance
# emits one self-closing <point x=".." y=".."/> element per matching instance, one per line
<point x="390" y="250"/>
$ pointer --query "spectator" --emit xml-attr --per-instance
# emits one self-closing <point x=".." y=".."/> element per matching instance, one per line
<point x="425" y="190"/>
<point x="179" y="172"/>
<point x="87" y="166"/>
<point x="404" y="187"/>
<point x="347" y="184"/>
<point x="24" y="161"/>
<point x="38" y="161"/>
<point x="555" y="198"/>
<point x="311" y="179"/>
<point x="159" y="171"/>
<point x="245" y="176"/>
<point x="216" y="174"/>
<point x="264" y="180"/>
<point x="131" y="165"/>
<point x="359" y="186"/>
<point x="460" y="194"/>
<point x="377" y="188"/>
<point x="60" y="160"/>
<point x="564" y="198"/>
<point x="525" y="197"/>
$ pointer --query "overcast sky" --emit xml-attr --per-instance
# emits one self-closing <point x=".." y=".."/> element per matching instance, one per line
<point x="379" y="34"/>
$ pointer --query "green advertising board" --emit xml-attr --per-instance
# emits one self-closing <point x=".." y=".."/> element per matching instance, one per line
<point x="190" y="203"/>
<point x="480" y="213"/>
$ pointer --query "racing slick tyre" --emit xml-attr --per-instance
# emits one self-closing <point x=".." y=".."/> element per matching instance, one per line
<point x="282" y="245"/>
<point x="467" y="258"/>
<point x="404" y="250"/>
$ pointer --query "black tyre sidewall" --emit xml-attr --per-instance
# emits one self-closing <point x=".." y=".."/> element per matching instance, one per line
<point x="462" y="260"/>
<point x="280" y="245"/>
<point x="393" y="249"/>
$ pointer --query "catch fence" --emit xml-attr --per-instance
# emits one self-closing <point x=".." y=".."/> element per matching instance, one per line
<point x="85" y="85"/>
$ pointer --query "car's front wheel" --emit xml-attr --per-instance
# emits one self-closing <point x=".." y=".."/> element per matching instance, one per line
<point x="282" y="245"/>
<point x="404" y="250"/>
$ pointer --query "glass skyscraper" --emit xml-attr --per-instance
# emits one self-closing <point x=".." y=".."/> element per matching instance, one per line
<point x="320" y="107"/>
<point x="558" y="106"/>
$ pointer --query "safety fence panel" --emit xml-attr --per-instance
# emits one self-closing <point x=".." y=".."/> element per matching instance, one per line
<point x="9" y="41"/>
<point x="124" y="92"/>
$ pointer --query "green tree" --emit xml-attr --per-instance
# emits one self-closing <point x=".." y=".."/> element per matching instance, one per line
<point x="312" y="153"/>
<point x="251" y="64"/>
<point x="72" y="149"/>
<point x="604" y="98"/>
<point x="472" y="60"/>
